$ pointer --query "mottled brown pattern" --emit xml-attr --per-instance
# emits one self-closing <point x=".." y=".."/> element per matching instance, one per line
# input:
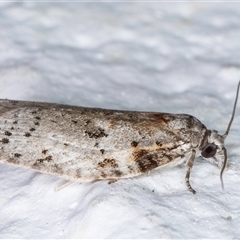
<point x="161" y="118"/>
<point x="154" y="156"/>
<point x="139" y="153"/>
<point x="147" y="163"/>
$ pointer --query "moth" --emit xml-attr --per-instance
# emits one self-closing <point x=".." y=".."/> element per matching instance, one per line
<point x="87" y="144"/>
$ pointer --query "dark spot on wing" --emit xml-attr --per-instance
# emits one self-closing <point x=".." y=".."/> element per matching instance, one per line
<point x="102" y="151"/>
<point x="158" y="143"/>
<point x="38" y="118"/>
<point x="48" y="158"/>
<point x="41" y="160"/>
<point x="5" y="140"/>
<point x="15" y="122"/>
<point x="32" y="129"/>
<point x="108" y="162"/>
<point x="17" y="155"/>
<point x="7" y="133"/>
<point x="118" y="173"/>
<point x="44" y="151"/>
<point x="96" y="133"/>
<point x="27" y="134"/>
<point x="74" y="121"/>
<point x="134" y="144"/>
<point x="36" y="123"/>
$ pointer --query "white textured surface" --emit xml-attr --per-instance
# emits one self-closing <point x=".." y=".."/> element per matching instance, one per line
<point x="169" y="57"/>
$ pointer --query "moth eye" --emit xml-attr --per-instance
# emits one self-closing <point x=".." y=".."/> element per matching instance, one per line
<point x="209" y="151"/>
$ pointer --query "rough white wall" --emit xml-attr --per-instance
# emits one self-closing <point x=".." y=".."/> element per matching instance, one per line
<point x="168" y="57"/>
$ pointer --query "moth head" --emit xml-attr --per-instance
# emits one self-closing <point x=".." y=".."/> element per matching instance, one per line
<point x="213" y="148"/>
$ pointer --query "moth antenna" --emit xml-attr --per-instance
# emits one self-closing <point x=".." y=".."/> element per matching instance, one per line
<point x="233" y="113"/>
<point x="226" y="133"/>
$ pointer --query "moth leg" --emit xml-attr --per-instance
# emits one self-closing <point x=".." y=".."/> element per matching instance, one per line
<point x="189" y="165"/>
<point x="60" y="187"/>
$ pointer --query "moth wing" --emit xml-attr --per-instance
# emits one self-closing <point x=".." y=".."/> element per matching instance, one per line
<point x="87" y="144"/>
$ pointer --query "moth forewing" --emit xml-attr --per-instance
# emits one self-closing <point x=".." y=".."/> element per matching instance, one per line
<point x="87" y="144"/>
